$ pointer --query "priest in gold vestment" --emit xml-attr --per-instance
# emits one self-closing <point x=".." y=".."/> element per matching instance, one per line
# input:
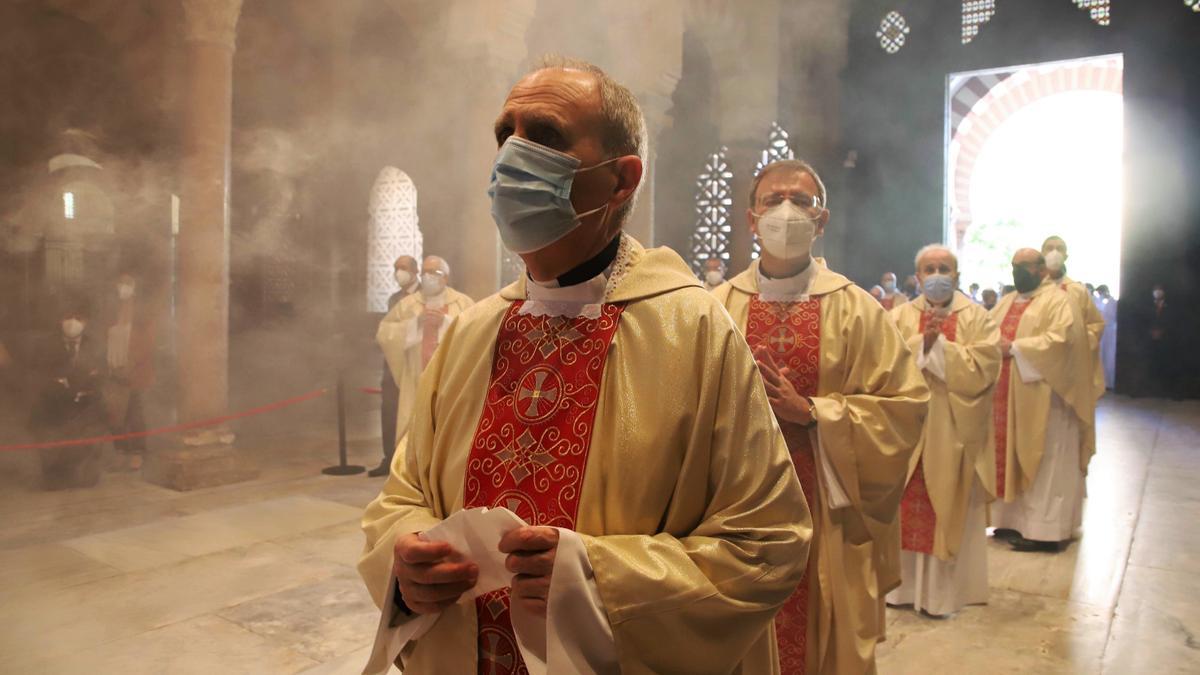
<point x="952" y="474"/>
<point x="609" y="402"/>
<point x="1044" y="407"/>
<point x="850" y="400"/>
<point x="410" y="332"/>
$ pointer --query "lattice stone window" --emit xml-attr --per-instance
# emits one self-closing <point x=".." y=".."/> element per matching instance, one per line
<point x="1097" y="9"/>
<point x="394" y="231"/>
<point x="893" y="32"/>
<point x="714" y="199"/>
<point x="975" y="13"/>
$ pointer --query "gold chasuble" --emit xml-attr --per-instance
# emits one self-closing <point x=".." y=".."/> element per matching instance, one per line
<point x="954" y="448"/>
<point x="1094" y="324"/>
<point x="642" y="425"/>
<point x="1043" y="329"/>
<point x="869" y="402"/>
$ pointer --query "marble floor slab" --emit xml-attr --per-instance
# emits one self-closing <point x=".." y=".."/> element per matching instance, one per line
<point x="176" y="539"/>
<point x="121" y="607"/>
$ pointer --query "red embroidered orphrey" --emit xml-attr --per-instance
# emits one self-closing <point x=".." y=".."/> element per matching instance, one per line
<point x="1008" y="331"/>
<point x="530" y="450"/>
<point x="918" y="520"/>
<point x="792" y="333"/>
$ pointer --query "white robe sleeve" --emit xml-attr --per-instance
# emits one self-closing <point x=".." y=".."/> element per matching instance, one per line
<point x="835" y="492"/>
<point x="935" y="360"/>
<point x="412" y="336"/>
<point x="575" y="636"/>
<point x="1029" y="373"/>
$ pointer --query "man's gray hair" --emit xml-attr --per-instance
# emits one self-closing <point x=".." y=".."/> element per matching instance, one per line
<point x="795" y="166"/>
<point x="931" y="248"/>
<point x="622" y="124"/>
<point x="440" y="262"/>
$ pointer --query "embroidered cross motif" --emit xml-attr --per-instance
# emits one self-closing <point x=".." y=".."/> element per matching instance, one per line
<point x="498" y="662"/>
<point x="781" y="339"/>
<point x="553" y="334"/>
<point x="523" y="457"/>
<point x="535" y="396"/>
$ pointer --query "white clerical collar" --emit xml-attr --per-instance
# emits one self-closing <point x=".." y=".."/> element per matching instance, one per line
<point x="548" y="298"/>
<point x="787" y="289"/>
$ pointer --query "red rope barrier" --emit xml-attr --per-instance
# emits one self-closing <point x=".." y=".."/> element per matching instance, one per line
<point x="270" y="407"/>
<point x="370" y="390"/>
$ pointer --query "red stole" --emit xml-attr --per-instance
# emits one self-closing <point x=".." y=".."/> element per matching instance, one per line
<point x="1008" y="331"/>
<point x="918" y="521"/>
<point x="531" y="447"/>
<point x="792" y="332"/>
<point x="429" y="336"/>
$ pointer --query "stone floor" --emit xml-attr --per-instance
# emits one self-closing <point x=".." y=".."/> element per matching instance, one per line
<point x="258" y="578"/>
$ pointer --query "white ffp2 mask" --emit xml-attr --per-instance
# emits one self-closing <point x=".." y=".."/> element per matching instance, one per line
<point x="786" y="231"/>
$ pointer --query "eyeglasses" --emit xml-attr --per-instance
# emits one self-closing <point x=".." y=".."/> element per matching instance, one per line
<point x="798" y="198"/>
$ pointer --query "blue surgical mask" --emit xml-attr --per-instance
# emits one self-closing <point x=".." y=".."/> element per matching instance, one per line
<point x="531" y="194"/>
<point x="938" y="288"/>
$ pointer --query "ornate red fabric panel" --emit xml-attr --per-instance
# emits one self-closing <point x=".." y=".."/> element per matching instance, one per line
<point x="1008" y="331"/>
<point x="530" y="449"/>
<point x="918" y="520"/>
<point x="792" y="333"/>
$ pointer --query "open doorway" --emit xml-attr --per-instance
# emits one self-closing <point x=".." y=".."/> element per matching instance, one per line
<point x="1034" y="151"/>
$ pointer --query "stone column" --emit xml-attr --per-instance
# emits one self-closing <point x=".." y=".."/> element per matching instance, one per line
<point x="484" y="48"/>
<point x="203" y="257"/>
<point x="743" y="43"/>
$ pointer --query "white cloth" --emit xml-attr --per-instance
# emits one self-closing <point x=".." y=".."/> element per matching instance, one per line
<point x="943" y="587"/>
<point x="574" y="601"/>
<point x="935" y="360"/>
<point x="1052" y="508"/>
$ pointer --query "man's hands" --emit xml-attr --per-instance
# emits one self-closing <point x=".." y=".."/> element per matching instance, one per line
<point x="531" y="552"/>
<point x="787" y="403"/>
<point x="433" y="318"/>
<point x="431" y="574"/>
<point x="1005" y="347"/>
<point x="933" y="328"/>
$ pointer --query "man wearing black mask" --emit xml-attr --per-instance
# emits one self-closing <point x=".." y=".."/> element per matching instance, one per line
<point x="1042" y="413"/>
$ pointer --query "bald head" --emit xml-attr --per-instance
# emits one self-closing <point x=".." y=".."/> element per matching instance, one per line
<point x="1028" y="256"/>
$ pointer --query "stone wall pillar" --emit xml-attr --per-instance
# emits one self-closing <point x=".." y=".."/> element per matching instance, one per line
<point x="203" y="264"/>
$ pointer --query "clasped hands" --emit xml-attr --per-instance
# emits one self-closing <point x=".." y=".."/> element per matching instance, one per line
<point x="432" y="575"/>
<point x="789" y="405"/>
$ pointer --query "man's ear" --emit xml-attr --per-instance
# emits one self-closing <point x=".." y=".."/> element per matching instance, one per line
<point x="629" y="176"/>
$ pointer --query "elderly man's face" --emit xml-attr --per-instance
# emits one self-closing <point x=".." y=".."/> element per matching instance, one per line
<point x="937" y="262"/>
<point x="560" y="109"/>
<point x="888" y="280"/>
<point x="1054" y="244"/>
<point x="714" y="265"/>
<point x="433" y="267"/>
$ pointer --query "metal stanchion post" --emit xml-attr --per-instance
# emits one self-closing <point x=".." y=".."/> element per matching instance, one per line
<point x="342" y="468"/>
